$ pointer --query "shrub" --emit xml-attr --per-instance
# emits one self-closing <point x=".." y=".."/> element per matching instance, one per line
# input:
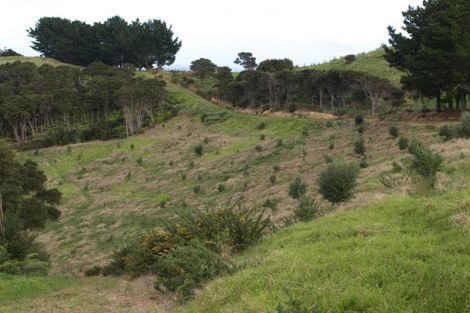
<point x="331" y="146"/>
<point x="402" y="143"/>
<point x="306" y="210"/>
<point x="337" y="182"/>
<point x="305" y="132"/>
<point x="221" y="188"/>
<point x="262" y="137"/>
<point x="198" y="150"/>
<point x="140" y="161"/>
<point x="94" y="271"/>
<point x="279" y="143"/>
<point x="359" y="119"/>
<point x="187" y="268"/>
<point x="447" y="132"/>
<point x="132" y="146"/>
<point x="276" y="168"/>
<point x="393" y="131"/>
<point x="396" y="168"/>
<point x="213" y="116"/>
<point x="261" y="125"/>
<point x="359" y="147"/>
<point x="258" y="148"/>
<point x="464" y="127"/>
<point x="425" y="163"/>
<point x="30" y="265"/>
<point x="197" y="189"/>
<point x="297" y="188"/>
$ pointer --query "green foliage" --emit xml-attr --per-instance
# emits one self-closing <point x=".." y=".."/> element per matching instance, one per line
<point x="199" y="150"/>
<point x="262" y="137"/>
<point x="425" y="163"/>
<point x="464" y="127"/>
<point x="26" y="203"/>
<point x="359" y="119"/>
<point x="337" y="182"/>
<point x="246" y="59"/>
<point x="275" y="65"/>
<point x="279" y="143"/>
<point x="297" y="188"/>
<point x="403" y="143"/>
<point x="271" y="204"/>
<point x="350" y="58"/>
<point x="211" y="116"/>
<point x="360" y="129"/>
<point x="203" y="68"/>
<point x="272" y="179"/>
<point x="447" y="132"/>
<point x="140" y="161"/>
<point x="197" y="189"/>
<point x="393" y="131"/>
<point x="306" y="209"/>
<point x="359" y="147"/>
<point x="258" y="148"/>
<point x="187" y="268"/>
<point x="114" y="42"/>
<point x="30" y="265"/>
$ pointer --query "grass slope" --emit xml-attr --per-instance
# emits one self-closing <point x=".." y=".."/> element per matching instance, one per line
<point x="371" y="62"/>
<point x="36" y="60"/>
<point x="403" y="254"/>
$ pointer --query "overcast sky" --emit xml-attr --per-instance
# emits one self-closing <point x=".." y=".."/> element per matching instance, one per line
<point x="306" y="31"/>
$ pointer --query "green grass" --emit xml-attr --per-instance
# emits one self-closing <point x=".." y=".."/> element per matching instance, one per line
<point x="371" y="62"/>
<point x="403" y="254"/>
<point x="36" y="60"/>
<point x="13" y="288"/>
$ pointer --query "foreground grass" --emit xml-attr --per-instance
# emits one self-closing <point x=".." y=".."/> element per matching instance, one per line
<point x="402" y="254"/>
<point x="13" y="288"/>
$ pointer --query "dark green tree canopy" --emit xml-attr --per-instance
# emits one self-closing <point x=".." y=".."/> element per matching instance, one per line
<point x="247" y="60"/>
<point x="434" y="48"/>
<point x="203" y="68"/>
<point x="26" y="202"/>
<point x="6" y="52"/>
<point x="275" y="65"/>
<point x="113" y="42"/>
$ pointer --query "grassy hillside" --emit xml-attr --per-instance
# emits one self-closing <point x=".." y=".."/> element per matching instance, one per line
<point x="36" y="60"/>
<point x="115" y="190"/>
<point x="371" y="62"/>
<point x="403" y="254"/>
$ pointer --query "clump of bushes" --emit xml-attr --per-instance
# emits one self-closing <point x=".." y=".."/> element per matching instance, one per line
<point x="337" y="182"/>
<point x="297" y="188"/>
<point x="213" y="116"/>
<point x="425" y="163"/>
<point x="187" y="250"/>
<point x="462" y="130"/>
<point x="32" y="264"/>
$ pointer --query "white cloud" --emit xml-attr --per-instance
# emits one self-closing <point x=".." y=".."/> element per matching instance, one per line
<point x="302" y="30"/>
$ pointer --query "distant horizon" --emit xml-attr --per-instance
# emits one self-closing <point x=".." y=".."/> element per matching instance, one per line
<point x="219" y="31"/>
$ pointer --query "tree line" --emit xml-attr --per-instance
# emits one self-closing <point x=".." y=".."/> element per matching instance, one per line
<point x="58" y="105"/>
<point x="434" y="52"/>
<point x="113" y="42"/>
<point x="275" y="84"/>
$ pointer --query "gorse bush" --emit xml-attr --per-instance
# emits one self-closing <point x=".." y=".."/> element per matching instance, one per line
<point x="297" y="188"/>
<point x="187" y="250"/>
<point x="187" y="268"/>
<point x="425" y="163"/>
<point x="337" y="182"/>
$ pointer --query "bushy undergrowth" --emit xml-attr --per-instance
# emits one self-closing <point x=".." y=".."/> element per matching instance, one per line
<point x="212" y="116"/>
<point x="297" y="188"/>
<point x="448" y="132"/>
<point x="425" y="163"/>
<point x="32" y="264"/>
<point x="188" y="250"/>
<point x="337" y="182"/>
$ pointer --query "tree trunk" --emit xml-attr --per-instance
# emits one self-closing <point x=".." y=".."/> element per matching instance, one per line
<point x="438" y="102"/>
